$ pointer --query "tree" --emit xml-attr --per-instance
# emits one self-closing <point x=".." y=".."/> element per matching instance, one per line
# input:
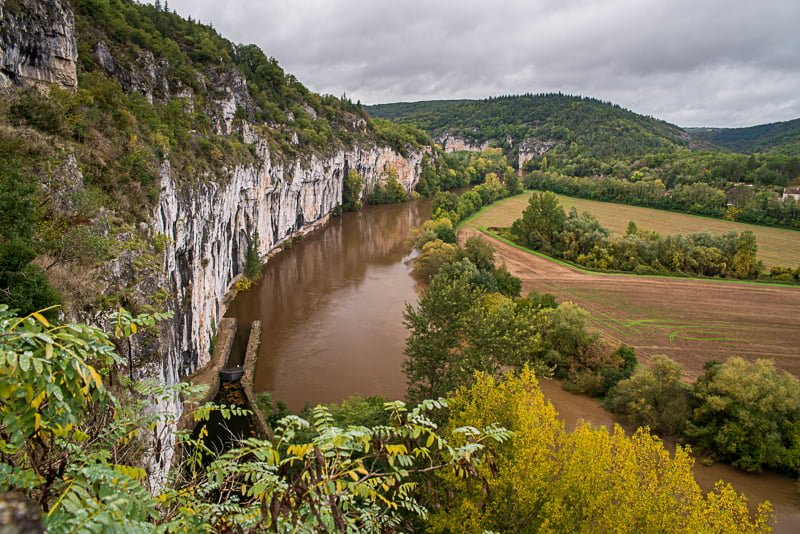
<point x="73" y="446"/>
<point x="653" y="397"/>
<point x="748" y="413"/>
<point x="252" y="264"/>
<point x="565" y="333"/>
<point x="436" y="332"/>
<point x="545" y="479"/>
<point x="541" y="221"/>
<point x="352" y="189"/>
<point x="480" y="253"/>
<point x="745" y="260"/>
<point x="66" y="441"/>
<point x="23" y="285"/>
<point x="433" y="256"/>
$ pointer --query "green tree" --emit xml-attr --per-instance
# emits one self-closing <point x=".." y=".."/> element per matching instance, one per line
<point x="479" y="252"/>
<point x="748" y="413"/>
<point x="252" y="263"/>
<point x="436" y="332"/>
<point x="653" y="397"/>
<point x="66" y="441"/>
<point x="23" y="285"/>
<point x="352" y="189"/>
<point x="73" y="446"/>
<point x="433" y="256"/>
<point x="541" y="222"/>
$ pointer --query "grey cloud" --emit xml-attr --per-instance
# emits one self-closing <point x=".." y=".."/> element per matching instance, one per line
<point x="692" y="62"/>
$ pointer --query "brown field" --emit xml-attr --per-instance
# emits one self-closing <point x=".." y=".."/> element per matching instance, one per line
<point x="776" y="246"/>
<point x="691" y="321"/>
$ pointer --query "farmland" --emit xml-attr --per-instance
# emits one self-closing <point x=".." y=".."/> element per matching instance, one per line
<point x="776" y="246"/>
<point x="691" y="321"/>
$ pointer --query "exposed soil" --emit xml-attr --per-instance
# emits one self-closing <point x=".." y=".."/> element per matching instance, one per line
<point x="691" y="321"/>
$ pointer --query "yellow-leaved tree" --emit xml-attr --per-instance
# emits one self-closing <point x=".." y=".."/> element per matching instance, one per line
<point x="546" y="479"/>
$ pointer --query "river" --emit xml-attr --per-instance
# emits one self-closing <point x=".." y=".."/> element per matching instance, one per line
<point x="331" y="309"/>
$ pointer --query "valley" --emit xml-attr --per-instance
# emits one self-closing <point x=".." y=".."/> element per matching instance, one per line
<point x="169" y="196"/>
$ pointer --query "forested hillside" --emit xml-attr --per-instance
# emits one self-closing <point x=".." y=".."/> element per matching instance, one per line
<point x="587" y="126"/>
<point x="592" y="149"/>
<point x="783" y="137"/>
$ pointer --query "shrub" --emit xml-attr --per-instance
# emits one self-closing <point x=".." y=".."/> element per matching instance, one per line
<point x="748" y="413"/>
<point x="653" y="397"/>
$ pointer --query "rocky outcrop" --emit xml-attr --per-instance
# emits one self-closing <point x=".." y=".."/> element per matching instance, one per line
<point x="534" y="148"/>
<point x="209" y="226"/>
<point x="454" y="143"/>
<point x="38" y="46"/>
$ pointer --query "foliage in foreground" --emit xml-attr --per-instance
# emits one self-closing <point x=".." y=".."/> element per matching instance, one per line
<point x="77" y="449"/>
<point x="546" y="479"/>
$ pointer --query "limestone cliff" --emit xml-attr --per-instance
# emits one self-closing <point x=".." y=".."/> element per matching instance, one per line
<point x="455" y="143"/>
<point x="37" y="44"/>
<point x="204" y="218"/>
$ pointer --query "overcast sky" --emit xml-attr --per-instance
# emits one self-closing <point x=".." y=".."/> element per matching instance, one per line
<point x="691" y="62"/>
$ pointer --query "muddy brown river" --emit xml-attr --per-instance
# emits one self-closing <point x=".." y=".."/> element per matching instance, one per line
<point x="332" y="307"/>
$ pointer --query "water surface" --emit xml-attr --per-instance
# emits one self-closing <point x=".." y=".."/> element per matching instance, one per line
<point x="332" y="309"/>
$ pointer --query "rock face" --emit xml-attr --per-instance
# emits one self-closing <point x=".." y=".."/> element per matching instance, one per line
<point x="206" y="223"/>
<point x="38" y="46"/>
<point x="209" y="226"/>
<point x="534" y="148"/>
<point x="454" y="143"/>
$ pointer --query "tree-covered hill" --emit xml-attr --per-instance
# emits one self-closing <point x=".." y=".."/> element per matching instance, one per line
<point x="588" y="126"/>
<point x="783" y="137"/>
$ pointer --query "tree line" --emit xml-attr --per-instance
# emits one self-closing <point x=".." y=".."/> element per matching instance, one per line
<point x="581" y="239"/>
<point x="734" y="202"/>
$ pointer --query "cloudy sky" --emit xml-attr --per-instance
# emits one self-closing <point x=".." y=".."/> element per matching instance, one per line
<point x="691" y="62"/>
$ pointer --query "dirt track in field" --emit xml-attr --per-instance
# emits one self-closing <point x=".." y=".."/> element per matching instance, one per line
<point x="691" y="321"/>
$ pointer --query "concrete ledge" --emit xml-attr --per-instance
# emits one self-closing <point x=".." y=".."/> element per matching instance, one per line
<point x="250" y="359"/>
<point x="209" y="374"/>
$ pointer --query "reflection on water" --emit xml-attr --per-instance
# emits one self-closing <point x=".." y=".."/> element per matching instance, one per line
<point x="332" y="309"/>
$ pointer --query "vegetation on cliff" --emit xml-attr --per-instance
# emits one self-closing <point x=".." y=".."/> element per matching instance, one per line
<point x="156" y="94"/>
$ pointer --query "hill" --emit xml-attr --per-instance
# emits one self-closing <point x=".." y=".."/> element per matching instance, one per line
<point x="782" y="137"/>
<point x="582" y="126"/>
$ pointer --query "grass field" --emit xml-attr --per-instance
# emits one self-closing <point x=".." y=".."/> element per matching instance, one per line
<point x="776" y="246"/>
<point x="689" y="320"/>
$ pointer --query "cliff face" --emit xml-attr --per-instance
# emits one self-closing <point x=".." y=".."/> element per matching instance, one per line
<point x="38" y="44"/>
<point x="205" y="222"/>
<point x="209" y="227"/>
<point x="454" y="143"/>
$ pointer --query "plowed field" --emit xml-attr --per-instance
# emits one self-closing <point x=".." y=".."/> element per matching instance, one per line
<point x="691" y="321"/>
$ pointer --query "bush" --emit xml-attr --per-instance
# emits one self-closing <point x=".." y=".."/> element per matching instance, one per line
<point x="352" y="188"/>
<point x="748" y="413"/>
<point x="653" y="397"/>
